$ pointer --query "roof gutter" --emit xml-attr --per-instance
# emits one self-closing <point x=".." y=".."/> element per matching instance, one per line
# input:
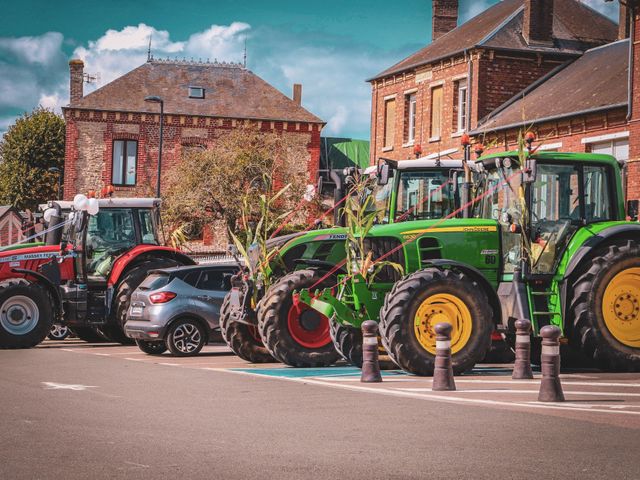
<point x="479" y="131"/>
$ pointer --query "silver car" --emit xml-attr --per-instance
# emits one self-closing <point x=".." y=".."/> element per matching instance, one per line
<point x="178" y="308"/>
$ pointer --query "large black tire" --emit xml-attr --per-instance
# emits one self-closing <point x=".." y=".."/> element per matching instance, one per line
<point x="273" y="324"/>
<point x="88" y="334"/>
<point x="348" y="342"/>
<point x="398" y="314"/>
<point x="26" y="314"/>
<point x="157" y="347"/>
<point x="186" y="337"/>
<point x="114" y="329"/>
<point x="590" y="333"/>
<point x="242" y="339"/>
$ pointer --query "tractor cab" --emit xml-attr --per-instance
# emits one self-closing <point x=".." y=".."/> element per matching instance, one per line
<point x="545" y="202"/>
<point x="421" y="189"/>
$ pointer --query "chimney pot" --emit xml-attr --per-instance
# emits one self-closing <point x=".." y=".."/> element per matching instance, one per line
<point x="444" y="17"/>
<point x="76" y="80"/>
<point x="537" y="25"/>
<point x="297" y="93"/>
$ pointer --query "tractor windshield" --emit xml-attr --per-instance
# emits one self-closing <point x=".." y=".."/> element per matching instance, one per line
<point x="425" y="195"/>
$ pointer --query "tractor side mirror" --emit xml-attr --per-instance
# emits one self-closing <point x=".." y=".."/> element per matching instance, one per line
<point x="319" y="185"/>
<point x="454" y="180"/>
<point x="632" y="209"/>
<point x="232" y="249"/>
<point x="529" y="171"/>
<point x="383" y="174"/>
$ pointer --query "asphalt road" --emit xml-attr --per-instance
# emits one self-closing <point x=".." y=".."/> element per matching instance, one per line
<point x="66" y="415"/>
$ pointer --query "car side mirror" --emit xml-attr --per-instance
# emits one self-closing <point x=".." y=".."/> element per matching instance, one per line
<point x="632" y="209"/>
<point x="319" y="185"/>
<point x="232" y="249"/>
<point x="383" y="174"/>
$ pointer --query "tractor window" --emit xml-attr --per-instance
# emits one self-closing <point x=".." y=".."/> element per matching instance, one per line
<point x="109" y="234"/>
<point x="424" y="196"/>
<point x="597" y="198"/>
<point x="147" y="227"/>
<point x="555" y="213"/>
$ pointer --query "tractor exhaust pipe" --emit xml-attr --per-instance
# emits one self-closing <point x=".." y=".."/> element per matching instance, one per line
<point x="54" y="235"/>
<point x="338" y="193"/>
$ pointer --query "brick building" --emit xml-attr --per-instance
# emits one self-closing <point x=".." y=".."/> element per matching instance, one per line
<point x="424" y="103"/>
<point x="112" y="134"/>
<point x="11" y="226"/>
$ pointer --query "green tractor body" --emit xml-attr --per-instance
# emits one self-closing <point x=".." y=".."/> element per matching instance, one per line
<point x="261" y="324"/>
<point x="547" y="242"/>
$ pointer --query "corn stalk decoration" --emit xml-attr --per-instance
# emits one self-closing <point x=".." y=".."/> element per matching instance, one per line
<point x="256" y="229"/>
<point x="361" y="214"/>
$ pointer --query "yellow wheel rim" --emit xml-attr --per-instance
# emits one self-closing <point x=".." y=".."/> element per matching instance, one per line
<point x="621" y="307"/>
<point x="443" y="307"/>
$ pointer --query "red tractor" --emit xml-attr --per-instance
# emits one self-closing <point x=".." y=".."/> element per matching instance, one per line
<point x="84" y="274"/>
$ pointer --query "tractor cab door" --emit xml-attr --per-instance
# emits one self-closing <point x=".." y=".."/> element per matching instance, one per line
<point x="110" y="233"/>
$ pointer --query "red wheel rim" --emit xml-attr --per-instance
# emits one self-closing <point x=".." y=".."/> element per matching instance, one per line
<point x="307" y="326"/>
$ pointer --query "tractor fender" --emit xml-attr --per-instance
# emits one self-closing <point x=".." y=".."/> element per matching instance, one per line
<point x="608" y="234"/>
<point x="477" y="276"/>
<point x="141" y="253"/>
<point x="47" y="284"/>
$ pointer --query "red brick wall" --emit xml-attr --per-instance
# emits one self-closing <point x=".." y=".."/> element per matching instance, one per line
<point x="634" y="124"/>
<point x="90" y="136"/>
<point x="500" y="77"/>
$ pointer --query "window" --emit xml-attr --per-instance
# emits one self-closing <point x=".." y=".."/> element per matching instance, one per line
<point x="460" y="105"/>
<point x="410" y="118"/>
<point x="389" y="122"/>
<point x="618" y="148"/>
<point x="147" y="227"/>
<point x="597" y="199"/>
<point x="123" y="168"/>
<point x="424" y="196"/>
<point x="196" y="92"/>
<point x="212" y="280"/>
<point x="109" y="234"/>
<point x="436" y="113"/>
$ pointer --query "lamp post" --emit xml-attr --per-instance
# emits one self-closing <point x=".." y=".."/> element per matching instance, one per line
<point x="58" y="172"/>
<point x="156" y="99"/>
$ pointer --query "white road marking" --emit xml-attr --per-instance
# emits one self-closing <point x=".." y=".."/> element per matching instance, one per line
<point x="508" y="390"/>
<point x="137" y="464"/>
<point x="171" y="364"/>
<point x="536" y="381"/>
<point x="65" y="386"/>
<point x="435" y="397"/>
<point x="134" y="359"/>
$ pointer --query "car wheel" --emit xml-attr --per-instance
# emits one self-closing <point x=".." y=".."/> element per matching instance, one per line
<point x="186" y="337"/>
<point x="59" y="332"/>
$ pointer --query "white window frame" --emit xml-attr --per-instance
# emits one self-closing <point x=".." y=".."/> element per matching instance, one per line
<point x="462" y="105"/>
<point x="411" y="136"/>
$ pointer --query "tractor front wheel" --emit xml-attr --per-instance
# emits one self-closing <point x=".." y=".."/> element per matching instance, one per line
<point x="26" y="314"/>
<point x="293" y="332"/>
<point x="244" y="340"/>
<point x="425" y="298"/>
<point x="348" y="342"/>
<point x="605" y="308"/>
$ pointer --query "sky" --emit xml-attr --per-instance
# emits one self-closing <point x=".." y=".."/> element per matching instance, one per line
<point x="331" y="47"/>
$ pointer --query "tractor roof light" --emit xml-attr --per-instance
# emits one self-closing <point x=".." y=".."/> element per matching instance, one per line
<point x="417" y="150"/>
<point x="91" y="194"/>
<point x="465" y="140"/>
<point x="529" y="138"/>
<point x="479" y="149"/>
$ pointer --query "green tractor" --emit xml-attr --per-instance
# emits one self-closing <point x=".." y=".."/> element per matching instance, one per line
<point x="263" y="324"/>
<point x="546" y="241"/>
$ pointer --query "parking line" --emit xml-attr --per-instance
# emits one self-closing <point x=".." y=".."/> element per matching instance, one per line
<point x="505" y="390"/>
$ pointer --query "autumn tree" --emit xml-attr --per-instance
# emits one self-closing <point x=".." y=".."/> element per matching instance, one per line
<point x="31" y="146"/>
<point x="224" y="182"/>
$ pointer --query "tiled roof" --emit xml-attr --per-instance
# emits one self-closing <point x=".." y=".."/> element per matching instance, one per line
<point x="576" y="28"/>
<point x="597" y="80"/>
<point x="230" y="92"/>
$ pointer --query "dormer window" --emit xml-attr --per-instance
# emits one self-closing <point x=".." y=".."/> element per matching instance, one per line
<point x="196" y="92"/>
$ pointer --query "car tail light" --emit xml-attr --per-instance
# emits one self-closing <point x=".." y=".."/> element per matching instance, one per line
<point x="162" y="297"/>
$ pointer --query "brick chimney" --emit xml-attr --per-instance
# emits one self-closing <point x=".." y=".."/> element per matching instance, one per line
<point x="537" y="25"/>
<point x="76" y="80"/>
<point x="297" y="93"/>
<point x="444" y="17"/>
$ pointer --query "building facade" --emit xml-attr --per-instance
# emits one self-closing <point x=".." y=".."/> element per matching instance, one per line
<point x="422" y="105"/>
<point x="112" y="134"/>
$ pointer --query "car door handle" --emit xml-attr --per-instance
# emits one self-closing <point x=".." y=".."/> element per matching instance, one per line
<point x="204" y="297"/>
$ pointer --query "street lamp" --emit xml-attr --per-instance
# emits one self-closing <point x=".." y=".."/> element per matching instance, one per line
<point x="58" y="172"/>
<point x="156" y="99"/>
